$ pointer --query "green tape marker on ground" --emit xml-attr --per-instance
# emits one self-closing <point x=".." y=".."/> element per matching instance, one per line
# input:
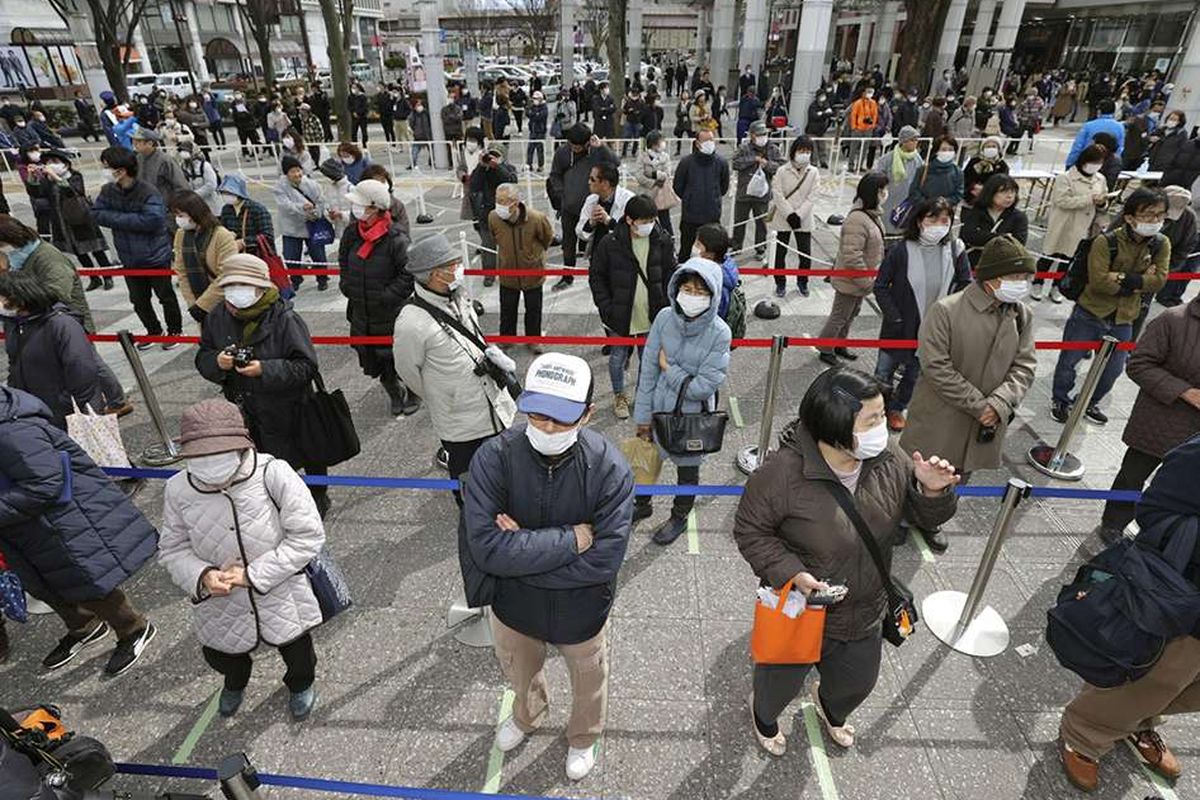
<point x="496" y="758"/>
<point x="692" y="534"/>
<point x="922" y="545"/>
<point x="193" y="738"/>
<point x="735" y="411"/>
<point x="816" y="749"/>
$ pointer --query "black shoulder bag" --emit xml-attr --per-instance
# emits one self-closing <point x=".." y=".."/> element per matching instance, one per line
<point x="692" y="433"/>
<point x="503" y="378"/>
<point x="326" y="433"/>
<point x="901" y="618"/>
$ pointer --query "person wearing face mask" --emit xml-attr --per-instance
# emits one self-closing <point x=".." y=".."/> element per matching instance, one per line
<point x="1105" y="122"/>
<point x="277" y="122"/>
<point x="546" y="521"/>
<point x="790" y="530"/>
<point x="201" y="245"/>
<point x="522" y="236"/>
<point x="1075" y="197"/>
<point x="155" y="166"/>
<point x="298" y="206"/>
<point x="422" y="129"/>
<point x="1123" y="266"/>
<point x="333" y="194"/>
<point x="440" y="354"/>
<point x="863" y="116"/>
<point x="1184" y="168"/>
<point x="631" y="126"/>
<point x="377" y="172"/>
<point x="353" y="160"/>
<point x="1181" y="228"/>
<point x="928" y="265"/>
<point x="452" y="121"/>
<point x="701" y="182"/>
<point x="793" y="189"/>
<point x="470" y="150"/>
<point x="245" y="216"/>
<point x="757" y="153"/>
<point x="192" y="117"/>
<point x="292" y="145"/>
<point x="654" y="177"/>
<point x="173" y="131"/>
<point x="201" y="176"/>
<point x="569" y="185"/>
<point x="904" y="166"/>
<point x="360" y="108"/>
<point x="994" y="214"/>
<point x="941" y="177"/>
<point x="24" y="135"/>
<point x="492" y="171"/>
<point x="749" y="109"/>
<point x="537" y="113"/>
<point x="1166" y="142"/>
<point x="566" y="115"/>
<point x="688" y="349"/>
<point x="246" y="124"/>
<point x="700" y="113"/>
<point x="821" y="118"/>
<point x="989" y="161"/>
<point x="239" y="527"/>
<point x="604" y="110"/>
<point x="908" y="112"/>
<point x="683" y="119"/>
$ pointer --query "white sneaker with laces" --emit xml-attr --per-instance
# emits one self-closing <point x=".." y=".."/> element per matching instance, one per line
<point x="1055" y="295"/>
<point x="580" y="762"/>
<point x="843" y="736"/>
<point x="509" y="735"/>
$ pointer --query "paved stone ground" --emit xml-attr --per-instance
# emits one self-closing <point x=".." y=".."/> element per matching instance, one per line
<point x="401" y="702"/>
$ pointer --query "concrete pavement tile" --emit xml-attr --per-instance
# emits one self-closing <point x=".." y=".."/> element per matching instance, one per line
<point x="888" y="759"/>
<point x="961" y="741"/>
<point x="655" y="748"/>
<point x="658" y="582"/>
<point x="726" y="587"/>
<point x="1034" y="683"/>
<point x="655" y="659"/>
<point x="932" y="675"/>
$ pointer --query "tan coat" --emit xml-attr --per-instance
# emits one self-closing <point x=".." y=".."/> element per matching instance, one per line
<point x="221" y="246"/>
<point x="793" y="191"/>
<point x="1072" y="211"/>
<point x="521" y="244"/>
<point x="1165" y="364"/>
<point x="974" y="352"/>
<point x="860" y="247"/>
<point x="654" y="177"/>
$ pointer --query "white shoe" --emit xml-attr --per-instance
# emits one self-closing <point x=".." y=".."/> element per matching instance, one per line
<point x="580" y="762"/>
<point x="35" y="606"/>
<point x="844" y="736"/>
<point x="1055" y="295"/>
<point x="1035" y="293"/>
<point x="509" y="736"/>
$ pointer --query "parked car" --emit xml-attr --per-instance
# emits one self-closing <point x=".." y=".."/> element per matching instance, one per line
<point x="176" y="84"/>
<point x="141" y="84"/>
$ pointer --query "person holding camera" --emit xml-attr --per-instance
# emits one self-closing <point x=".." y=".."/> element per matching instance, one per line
<point x="440" y="354"/>
<point x="258" y="350"/>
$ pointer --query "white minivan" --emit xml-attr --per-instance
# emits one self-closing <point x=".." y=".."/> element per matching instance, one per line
<point x="176" y="84"/>
<point x="141" y="84"/>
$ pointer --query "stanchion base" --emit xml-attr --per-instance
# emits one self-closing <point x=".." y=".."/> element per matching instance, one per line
<point x="159" y="455"/>
<point x="986" y="636"/>
<point x="1071" y="468"/>
<point x="747" y="459"/>
<point x="474" y="629"/>
<point x="424" y="219"/>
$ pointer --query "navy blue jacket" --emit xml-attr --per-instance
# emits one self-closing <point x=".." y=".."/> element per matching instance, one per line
<point x="138" y="218"/>
<point x="895" y="295"/>
<point x="50" y="357"/>
<point x="72" y="548"/>
<point x="543" y="587"/>
<point x="701" y="182"/>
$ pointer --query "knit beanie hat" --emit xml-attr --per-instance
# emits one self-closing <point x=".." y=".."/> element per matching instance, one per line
<point x="1003" y="255"/>
<point x="332" y="168"/>
<point x="288" y="162"/>
<point x="245" y="269"/>
<point x="908" y="133"/>
<point x="212" y="426"/>
<point x="427" y="254"/>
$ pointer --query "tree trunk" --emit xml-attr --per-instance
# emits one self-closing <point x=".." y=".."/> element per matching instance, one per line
<point x="113" y="67"/>
<point x="617" y="56"/>
<point x="922" y="33"/>
<point x="264" y="54"/>
<point x="337" y="66"/>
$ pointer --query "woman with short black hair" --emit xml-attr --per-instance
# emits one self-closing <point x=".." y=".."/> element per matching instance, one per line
<point x="201" y="245"/>
<point x="994" y="213"/>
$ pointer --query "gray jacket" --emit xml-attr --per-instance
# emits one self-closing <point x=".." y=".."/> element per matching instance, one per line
<point x="745" y="162"/>
<point x="290" y="216"/>
<point x="162" y="172"/>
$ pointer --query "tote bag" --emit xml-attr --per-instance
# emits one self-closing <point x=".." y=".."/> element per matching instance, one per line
<point x="692" y="433"/>
<point x="99" y="435"/>
<point x="777" y="638"/>
<point x="327" y="435"/>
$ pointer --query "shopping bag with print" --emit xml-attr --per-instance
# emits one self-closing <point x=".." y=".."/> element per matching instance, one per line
<point x="99" y="435"/>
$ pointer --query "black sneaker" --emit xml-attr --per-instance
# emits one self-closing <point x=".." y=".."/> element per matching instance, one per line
<point x="1060" y="411"/>
<point x="935" y="539"/>
<point x="129" y="651"/>
<point x="1096" y="415"/>
<point x="829" y="358"/>
<point x="642" y="511"/>
<point x="70" y="645"/>
<point x="563" y="283"/>
<point x="443" y="459"/>
<point x="669" y="531"/>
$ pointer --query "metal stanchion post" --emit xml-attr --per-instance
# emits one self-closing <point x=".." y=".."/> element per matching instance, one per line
<point x="474" y="626"/>
<point x="466" y="249"/>
<point x="955" y="618"/>
<point x="1056" y="461"/>
<point x="751" y="458"/>
<point x="155" y="455"/>
<point x="529" y="186"/>
<point x="238" y="779"/>
<point x="423" y="216"/>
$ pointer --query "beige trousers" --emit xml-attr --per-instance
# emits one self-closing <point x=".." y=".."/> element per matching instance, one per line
<point x="521" y="658"/>
<point x="1099" y="718"/>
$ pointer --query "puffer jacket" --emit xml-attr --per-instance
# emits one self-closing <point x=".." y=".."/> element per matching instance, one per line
<point x="74" y="548"/>
<point x="521" y="244"/>
<point x="271" y="402"/>
<point x="1165" y="364"/>
<point x="438" y="363"/>
<point x="375" y="287"/>
<point x="1185" y="168"/>
<point x="567" y="185"/>
<point x="56" y="272"/>
<point x="267" y="520"/>
<point x="696" y="348"/>
<point x="614" y="272"/>
<point x="543" y="586"/>
<point x="290" y="217"/>
<point x="787" y="522"/>
<point x="50" y="357"/>
<point x="701" y="182"/>
<point x="860" y="246"/>
<point x="792" y="192"/>
<point x="1165" y="148"/>
<point x="941" y="180"/>
<point x="138" y="218"/>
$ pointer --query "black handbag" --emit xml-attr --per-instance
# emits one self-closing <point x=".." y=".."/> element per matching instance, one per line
<point x="692" y="433"/>
<point x="327" y="436"/>
<point x="901" y="618"/>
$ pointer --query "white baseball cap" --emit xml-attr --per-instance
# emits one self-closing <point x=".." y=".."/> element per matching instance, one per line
<point x="371" y="193"/>
<point x="558" y="386"/>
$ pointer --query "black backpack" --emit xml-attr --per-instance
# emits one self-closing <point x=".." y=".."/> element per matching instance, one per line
<point x="1076" y="279"/>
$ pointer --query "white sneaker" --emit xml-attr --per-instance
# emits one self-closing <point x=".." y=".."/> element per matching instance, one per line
<point x="35" y="606"/>
<point x="580" y="762"/>
<point x="844" y="736"/>
<point x="1035" y="293"/>
<point x="509" y="735"/>
<point x="1055" y="295"/>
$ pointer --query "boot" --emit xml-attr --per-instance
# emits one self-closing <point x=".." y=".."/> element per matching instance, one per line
<point x="108" y="283"/>
<point x="94" y="283"/>
<point x="403" y="402"/>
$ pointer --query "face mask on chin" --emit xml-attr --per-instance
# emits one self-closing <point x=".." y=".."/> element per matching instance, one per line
<point x="551" y="444"/>
<point x="871" y="442"/>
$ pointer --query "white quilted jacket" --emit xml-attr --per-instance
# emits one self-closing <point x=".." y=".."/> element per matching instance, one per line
<point x="205" y="527"/>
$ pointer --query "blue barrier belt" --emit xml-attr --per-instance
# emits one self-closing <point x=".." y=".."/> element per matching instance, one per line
<point x="445" y="485"/>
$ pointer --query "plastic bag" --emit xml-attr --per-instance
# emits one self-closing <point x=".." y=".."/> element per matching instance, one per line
<point x="644" y="458"/>
<point x="758" y="185"/>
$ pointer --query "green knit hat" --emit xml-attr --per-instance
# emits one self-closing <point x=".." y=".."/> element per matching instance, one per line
<point x="1004" y="255"/>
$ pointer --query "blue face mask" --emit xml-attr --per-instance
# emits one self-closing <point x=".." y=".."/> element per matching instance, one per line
<point x="18" y="257"/>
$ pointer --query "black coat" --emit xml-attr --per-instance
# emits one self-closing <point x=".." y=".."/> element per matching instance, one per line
<point x="614" y="274"/>
<point x="375" y="288"/>
<point x="75" y="545"/>
<point x="895" y="295"/>
<point x="977" y="229"/>
<point x="701" y="182"/>
<point x="271" y="403"/>
<point x="50" y="356"/>
<point x="1185" y="167"/>
<point x="1165" y="149"/>
<point x="54" y="203"/>
<point x="567" y="184"/>
<point x="484" y="182"/>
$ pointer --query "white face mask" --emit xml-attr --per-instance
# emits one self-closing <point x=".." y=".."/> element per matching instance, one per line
<point x="1172" y="123"/>
<point x="460" y="274"/>
<point x="185" y="223"/>
<point x="1089" y="169"/>
<point x="991" y="153"/>
<point x="504" y="212"/>
<point x="934" y="233"/>
<point x="358" y="211"/>
<point x="693" y="305"/>
<point x="58" y="168"/>
<point x="472" y="147"/>
<point x="644" y="229"/>
<point x="1148" y="228"/>
<point x="802" y="159"/>
<point x="872" y="442"/>
<point x="34" y="156"/>
<point x="760" y="141"/>
<point x="215" y="470"/>
<point x="242" y="296"/>
<point x="708" y="148"/>
<point x="551" y="444"/>
<point x="347" y="159"/>
<point x="945" y="156"/>
<point x="1012" y="291"/>
<point x="289" y="142"/>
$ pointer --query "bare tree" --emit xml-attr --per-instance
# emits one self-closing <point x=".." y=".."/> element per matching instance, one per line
<point x="922" y="31"/>
<point x="339" y="26"/>
<point x="476" y="23"/>
<point x="114" y="22"/>
<point x="618" y="52"/>
<point x="260" y="16"/>
<point x="593" y="18"/>
<point x="536" y="21"/>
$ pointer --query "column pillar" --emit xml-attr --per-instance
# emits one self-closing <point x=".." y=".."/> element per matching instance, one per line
<point x="1186" y="94"/>
<point x="863" y="47"/>
<point x="701" y="37"/>
<point x="951" y="33"/>
<point x="435" y="76"/>
<point x="1008" y="25"/>
<point x="754" y="37"/>
<point x="139" y="44"/>
<point x="812" y="40"/>
<point x="201" y="68"/>
<point x="633" y="15"/>
<point x="723" y="38"/>
<point x="983" y="25"/>
<point x="885" y="37"/>
<point x="566" y="45"/>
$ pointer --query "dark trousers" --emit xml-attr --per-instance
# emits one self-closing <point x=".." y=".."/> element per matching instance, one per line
<point x="140" y="290"/>
<point x="298" y="656"/>
<point x="358" y="125"/>
<point x="85" y="259"/>
<point x="510" y="299"/>
<point x="850" y="679"/>
<point x="683" y="503"/>
<point x="389" y="132"/>
<point x="687" y="238"/>
<point x="570" y="243"/>
<point x="536" y="148"/>
<point x="1136" y="467"/>
<point x="459" y="455"/>
<point x="293" y="250"/>
<point x="886" y="364"/>
<point x="1172" y="293"/>
<point x="218" y="132"/>
<point x="664" y="219"/>
<point x="114" y="608"/>
<point x="803" y="244"/>
<point x="1083" y="326"/>
<point x="742" y="210"/>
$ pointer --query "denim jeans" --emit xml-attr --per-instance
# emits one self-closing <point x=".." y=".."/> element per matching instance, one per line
<point x="618" y="357"/>
<point x="630" y="131"/>
<point x="886" y="365"/>
<point x="293" y="248"/>
<point x="1083" y="326"/>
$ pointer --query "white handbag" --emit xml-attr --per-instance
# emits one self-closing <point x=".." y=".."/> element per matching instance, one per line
<point x="99" y="435"/>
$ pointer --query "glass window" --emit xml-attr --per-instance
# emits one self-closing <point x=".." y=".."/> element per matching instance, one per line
<point x="1169" y="31"/>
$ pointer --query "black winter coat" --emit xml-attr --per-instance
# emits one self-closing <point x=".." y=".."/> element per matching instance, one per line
<point x="978" y="228"/>
<point x="71" y="541"/>
<point x="484" y="182"/>
<point x="271" y="403"/>
<point x="614" y="273"/>
<point x="138" y="218"/>
<point x="375" y="288"/>
<point x="1164" y="150"/>
<point x="895" y="295"/>
<point x="567" y="185"/>
<point x="1185" y="167"/>
<point x="56" y="202"/>
<point x="701" y="182"/>
<point x="50" y="357"/>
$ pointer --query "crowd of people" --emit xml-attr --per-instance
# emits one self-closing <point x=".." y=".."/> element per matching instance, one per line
<point x="547" y="504"/>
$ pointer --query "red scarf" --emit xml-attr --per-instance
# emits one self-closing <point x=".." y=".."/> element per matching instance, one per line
<point x="372" y="232"/>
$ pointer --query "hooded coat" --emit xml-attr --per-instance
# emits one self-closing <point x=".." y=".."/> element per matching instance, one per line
<point x="50" y="357"/>
<point x="72" y="539"/>
<point x="697" y="348"/>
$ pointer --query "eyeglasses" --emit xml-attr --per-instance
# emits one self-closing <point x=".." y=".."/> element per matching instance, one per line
<point x="1150" y="216"/>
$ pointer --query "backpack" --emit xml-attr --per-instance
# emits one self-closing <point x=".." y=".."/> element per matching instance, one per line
<point x="1076" y="279"/>
<point x="735" y="312"/>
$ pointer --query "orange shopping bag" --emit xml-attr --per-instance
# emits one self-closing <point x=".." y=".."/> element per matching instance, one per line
<point x="779" y="639"/>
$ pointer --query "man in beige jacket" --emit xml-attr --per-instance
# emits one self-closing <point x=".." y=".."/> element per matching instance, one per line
<point x="522" y="236"/>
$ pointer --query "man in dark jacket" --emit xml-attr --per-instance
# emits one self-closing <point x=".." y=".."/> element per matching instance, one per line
<point x="386" y="104"/>
<point x="359" y="108"/>
<point x="631" y="129"/>
<point x="487" y="177"/>
<point x="156" y="167"/>
<point x="604" y="109"/>
<point x="701" y="182"/>
<point x="568" y="187"/>
<point x="138" y="218"/>
<point x="319" y="102"/>
<point x="757" y="152"/>
<point x="70" y="533"/>
<point x="548" y="508"/>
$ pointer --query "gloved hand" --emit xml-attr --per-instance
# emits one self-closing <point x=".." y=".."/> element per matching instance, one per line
<point x="1132" y="282"/>
<point x="197" y="313"/>
<point x="495" y="355"/>
<point x="794" y="221"/>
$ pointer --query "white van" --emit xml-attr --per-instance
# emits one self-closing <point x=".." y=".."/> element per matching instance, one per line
<point x="176" y="84"/>
<point x="140" y="84"/>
